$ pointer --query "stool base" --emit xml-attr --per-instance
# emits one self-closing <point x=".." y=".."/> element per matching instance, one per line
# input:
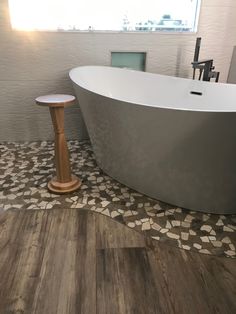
<point x="62" y="188"/>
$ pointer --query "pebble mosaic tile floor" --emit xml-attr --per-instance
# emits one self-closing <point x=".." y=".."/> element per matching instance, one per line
<point x="26" y="167"/>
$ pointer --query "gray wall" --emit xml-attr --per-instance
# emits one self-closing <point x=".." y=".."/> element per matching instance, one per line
<point x="37" y="63"/>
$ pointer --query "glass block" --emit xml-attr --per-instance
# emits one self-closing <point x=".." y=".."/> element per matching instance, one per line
<point x="130" y="60"/>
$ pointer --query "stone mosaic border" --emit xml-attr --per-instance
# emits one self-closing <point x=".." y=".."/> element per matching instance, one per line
<point x="26" y="167"/>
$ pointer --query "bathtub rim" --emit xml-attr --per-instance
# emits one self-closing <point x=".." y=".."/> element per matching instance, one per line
<point x="71" y="74"/>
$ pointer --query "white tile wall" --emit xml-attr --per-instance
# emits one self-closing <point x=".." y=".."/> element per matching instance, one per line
<point x="232" y="70"/>
<point x="33" y="64"/>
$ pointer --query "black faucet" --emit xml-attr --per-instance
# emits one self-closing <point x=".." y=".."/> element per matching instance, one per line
<point x="205" y="67"/>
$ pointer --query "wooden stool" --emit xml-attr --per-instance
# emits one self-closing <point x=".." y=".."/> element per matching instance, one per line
<point x="64" y="182"/>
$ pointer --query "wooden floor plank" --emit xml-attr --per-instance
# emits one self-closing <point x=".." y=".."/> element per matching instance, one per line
<point x="164" y="281"/>
<point x="112" y="234"/>
<point x="194" y="283"/>
<point x="18" y="253"/>
<point x="49" y="263"/>
<point x="125" y="283"/>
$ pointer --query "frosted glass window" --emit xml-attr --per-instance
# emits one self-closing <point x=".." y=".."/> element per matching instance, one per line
<point x="105" y="15"/>
<point x="131" y="60"/>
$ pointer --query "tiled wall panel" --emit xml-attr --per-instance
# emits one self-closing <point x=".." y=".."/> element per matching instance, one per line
<point x="21" y="127"/>
<point x="232" y="70"/>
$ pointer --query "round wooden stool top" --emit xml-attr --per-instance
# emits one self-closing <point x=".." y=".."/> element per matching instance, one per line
<point x="57" y="100"/>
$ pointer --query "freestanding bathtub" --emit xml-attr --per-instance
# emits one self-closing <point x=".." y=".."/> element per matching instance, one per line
<point x="170" y="138"/>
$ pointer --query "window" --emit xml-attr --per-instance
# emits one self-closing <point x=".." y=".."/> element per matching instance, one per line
<point x="105" y="15"/>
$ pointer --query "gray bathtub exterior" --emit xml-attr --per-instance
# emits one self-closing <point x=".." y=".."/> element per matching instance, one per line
<point x="181" y="157"/>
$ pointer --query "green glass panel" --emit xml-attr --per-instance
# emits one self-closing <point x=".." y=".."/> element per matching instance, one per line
<point x="131" y="60"/>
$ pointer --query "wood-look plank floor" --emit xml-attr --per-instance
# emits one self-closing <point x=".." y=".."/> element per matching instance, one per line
<point x="74" y="261"/>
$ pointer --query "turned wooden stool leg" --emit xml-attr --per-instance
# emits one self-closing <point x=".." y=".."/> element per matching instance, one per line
<point x="64" y="182"/>
<point x="63" y="172"/>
